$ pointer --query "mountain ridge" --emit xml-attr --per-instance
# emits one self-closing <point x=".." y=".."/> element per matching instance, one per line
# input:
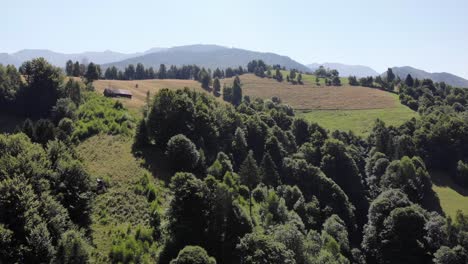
<point x="208" y="56"/>
<point x="346" y="69"/>
<point x="446" y="77"/>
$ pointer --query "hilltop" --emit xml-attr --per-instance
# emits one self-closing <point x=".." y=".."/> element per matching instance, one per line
<point x="448" y="78"/>
<point x="208" y="56"/>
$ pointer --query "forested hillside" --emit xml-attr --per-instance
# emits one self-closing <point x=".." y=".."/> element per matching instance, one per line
<point x="194" y="179"/>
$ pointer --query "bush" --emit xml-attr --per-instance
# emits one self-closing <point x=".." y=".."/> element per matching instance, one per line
<point x="461" y="176"/>
<point x="72" y="248"/>
<point x="102" y="115"/>
<point x="193" y="255"/>
<point x="181" y="153"/>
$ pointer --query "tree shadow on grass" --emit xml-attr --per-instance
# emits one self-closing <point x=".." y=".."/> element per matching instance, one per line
<point x="154" y="160"/>
<point x="443" y="179"/>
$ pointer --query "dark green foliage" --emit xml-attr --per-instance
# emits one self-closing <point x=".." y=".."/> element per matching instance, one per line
<point x="193" y="255"/>
<point x="187" y="212"/>
<point x="92" y="73"/>
<point x="256" y="135"/>
<point x="10" y="83"/>
<point x="65" y="108"/>
<point x="227" y="93"/>
<point x="239" y="147"/>
<point x="278" y="75"/>
<point x="401" y="236"/>
<point x="42" y="88"/>
<point x="276" y="151"/>
<point x="258" y="67"/>
<point x="341" y="168"/>
<point x="353" y="81"/>
<point x="216" y="87"/>
<point x="43" y="194"/>
<point x="262" y="249"/>
<point x="44" y="131"/>
<point x="462" y="173"/>
<point x="181" y="153"/>
<point x="73" y="91"/>
<point x="269" y="171"/>
<point x="301" y="131"/>
<point x="396" y="230"/>
<point x="336" y="228"/>
<point x="409" y="81"/>
<point x="390" y="75"/>
<point x="313" y="182"/>
<point x="411" y="176"/>
<point x="446" y="255"/>
<point x="72" y="249"/>
<point x="236" y="91"/>
<point x="205" y="79"/>
<point x="250" y="176"/>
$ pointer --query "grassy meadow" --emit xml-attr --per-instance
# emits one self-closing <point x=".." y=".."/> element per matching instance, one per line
<point x="359" y="121"/>
<point x="110" y="158"/>
<point x="310" y="96"/>
<point x="452" y="196"/>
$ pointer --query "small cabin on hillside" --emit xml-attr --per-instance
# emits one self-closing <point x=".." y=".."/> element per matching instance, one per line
<point x="109" y="92"/>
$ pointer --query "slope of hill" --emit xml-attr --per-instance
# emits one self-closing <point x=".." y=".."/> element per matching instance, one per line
<point x="6" y="59"/>
<point x="310" y="96"/>
<point x="448" y="78"/>
<point x="208" y="56"/>
<point x="59" y="59"/>
<point x="346" y="70"/>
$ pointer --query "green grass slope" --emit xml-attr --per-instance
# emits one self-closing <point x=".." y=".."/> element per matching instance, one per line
<point x="452" y="196"/>
<point x="110" y="158"/>
<point x="359" y="122"/>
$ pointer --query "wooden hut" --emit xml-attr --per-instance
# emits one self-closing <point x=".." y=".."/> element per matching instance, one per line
<point x="109" y="92"/>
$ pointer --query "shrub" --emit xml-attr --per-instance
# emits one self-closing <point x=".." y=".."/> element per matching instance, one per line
<point x="181" y="153"/>
<point x="102" y="115"/>
<point x="193" y="255"/>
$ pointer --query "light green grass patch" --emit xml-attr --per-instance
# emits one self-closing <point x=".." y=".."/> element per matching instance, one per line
<point x="110" y="158"/>
<point x="359" y="122"/>
<point x="452" y="197"/>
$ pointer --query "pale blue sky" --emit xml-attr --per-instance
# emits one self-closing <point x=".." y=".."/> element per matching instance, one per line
<point x="431" y="35"/>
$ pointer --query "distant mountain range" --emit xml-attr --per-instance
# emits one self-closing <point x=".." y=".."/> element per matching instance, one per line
<point x="346" y="70"/>
<point x="448" y="78"/>
<point x="208" y="56"/>
<point x="212" y="56"/>
<point x="59" y="59"/>
<point x="402" y="72"/>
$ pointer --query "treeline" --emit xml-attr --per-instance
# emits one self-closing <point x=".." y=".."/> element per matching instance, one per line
<point x="262" y="70"/>
<point x="389" y="82"/>
<point x="331" y="76"/>
<point x="254" y="184"/>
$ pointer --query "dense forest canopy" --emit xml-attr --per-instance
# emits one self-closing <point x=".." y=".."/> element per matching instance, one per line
<point x="249" y="182"/>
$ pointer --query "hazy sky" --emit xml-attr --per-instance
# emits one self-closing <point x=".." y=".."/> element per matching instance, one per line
<point x="430" y="34"/>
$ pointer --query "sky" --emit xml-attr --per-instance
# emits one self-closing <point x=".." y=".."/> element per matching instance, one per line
<point x="431" y="35"/>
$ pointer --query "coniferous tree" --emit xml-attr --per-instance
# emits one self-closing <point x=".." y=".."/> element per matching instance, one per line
<point x="409" y="80"/>
<point x="216" y="87"/>
<point x="269" y="171"/>
<point x="69" y="68"/>
<point x="236" y="91"/>
<point x="92" y="73"/>
<point x="250" y="176"/>
<point x="162" y="72"/>
<point x="76" y="69"/>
